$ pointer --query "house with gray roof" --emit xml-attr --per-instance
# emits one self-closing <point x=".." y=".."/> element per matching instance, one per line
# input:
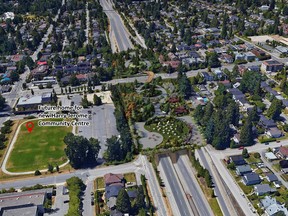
<point x="271" y="177"/>
<point x="241" y="170"/>
<point x="262" y="189"/>
<point x="251" y="179"/>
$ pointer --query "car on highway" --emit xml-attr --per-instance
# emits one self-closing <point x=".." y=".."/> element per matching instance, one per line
<point x="241" y="147"/>
<point x="266" y="143"/>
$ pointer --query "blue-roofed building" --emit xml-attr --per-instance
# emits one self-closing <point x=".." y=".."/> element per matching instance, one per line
<point x="113" y="190"/>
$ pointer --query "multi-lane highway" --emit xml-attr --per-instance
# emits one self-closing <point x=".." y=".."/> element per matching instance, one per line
<point x="119" y="37"/>
<point x="177" y="198"/>
<point x="219" y="191"/>
<point x="191" y="186"/>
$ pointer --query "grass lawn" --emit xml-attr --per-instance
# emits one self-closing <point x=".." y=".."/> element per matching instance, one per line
<point x="99" y="183"/>
<point x="130" y="177"/>
<point x="252" y="159"/>
<point x="246" y="189"/>
<point x="35" y="150"/>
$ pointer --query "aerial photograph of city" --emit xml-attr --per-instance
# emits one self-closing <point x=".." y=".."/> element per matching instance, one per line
<point x="143" y="108"/>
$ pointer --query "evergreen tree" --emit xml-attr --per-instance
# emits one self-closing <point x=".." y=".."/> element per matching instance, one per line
<point x="123" y="202"/>
<point x="209" y="130"/>
<point x="246" y="134"/>
<point x="274" y="110"/>
<point x="245" y="153"/>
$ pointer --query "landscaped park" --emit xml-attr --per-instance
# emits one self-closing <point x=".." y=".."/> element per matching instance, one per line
<point x="174" y="131"/>
<point x="33" y="151"/>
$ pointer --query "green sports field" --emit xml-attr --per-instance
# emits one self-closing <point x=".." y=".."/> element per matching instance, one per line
<point x="35" y="150"/>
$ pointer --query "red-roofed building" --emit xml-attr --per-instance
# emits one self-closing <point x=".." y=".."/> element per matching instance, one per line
<point x="82" y="77"/>
<point x="41" y="63"/>
<point x="17" y="58"/>
<point x="111" y="178"/>
<point x="283" y="152"/>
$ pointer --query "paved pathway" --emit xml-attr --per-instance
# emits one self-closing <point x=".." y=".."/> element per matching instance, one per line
<point x="149" y="139"/>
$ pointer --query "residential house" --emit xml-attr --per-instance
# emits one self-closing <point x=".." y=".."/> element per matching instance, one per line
<point x="113" y="190"/>
<point x="262" y="189"/>
<point x="249" y="56"/>
<point x="237" y="160"/>
<point x="218" y="73"/>
<point x="271" y="206"/>
<point x="207" y="76"/>
<point x="274" y="132"/>
<point x="271" y="177"/>
<point x="276" y="209"/>
<point x="266" y="123"/>
<point x="40" y="71"/>
<point x="243" y="169"/>
<point x="270" y="156"/>
<point x="283" y="164"/>
<point x="111" y="178"/>
<point x="283" y="152"/>
<point x="251" y="179"/>
<point x="271" y="66"/>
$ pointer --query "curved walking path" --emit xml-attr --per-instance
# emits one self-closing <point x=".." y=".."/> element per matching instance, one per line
<point x="149" y="139"/>
<point x="10" y="148"/>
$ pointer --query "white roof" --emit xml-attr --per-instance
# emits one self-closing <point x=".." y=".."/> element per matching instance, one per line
<point x="270" y="155"/>
<point x="32" y="100"/>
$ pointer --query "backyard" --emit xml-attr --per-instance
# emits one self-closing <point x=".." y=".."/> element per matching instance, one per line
<point x="35" y="150"/>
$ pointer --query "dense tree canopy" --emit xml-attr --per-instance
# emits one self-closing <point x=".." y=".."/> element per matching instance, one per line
<point x="81" y="151"/>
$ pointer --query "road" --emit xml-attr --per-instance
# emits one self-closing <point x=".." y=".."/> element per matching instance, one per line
<point x="139" y="166"/>
<point x="278" y="174"/>
<point x="118" y="33"/>
<point x="191" y="186"/>
<point x="154" y="187"/>
<point x="176" y="196"/>
<point x="219" y="190"/>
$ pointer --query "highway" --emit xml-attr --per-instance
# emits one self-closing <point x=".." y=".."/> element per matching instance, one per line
<point x="119" y="37"/>
<point x="177" y="198"/>
<point x="217" y="186"/>
<point x="191" y="186"/>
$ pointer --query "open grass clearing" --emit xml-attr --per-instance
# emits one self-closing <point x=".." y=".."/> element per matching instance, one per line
<point x="130" y="177"/>
<point x="35" y="150"/>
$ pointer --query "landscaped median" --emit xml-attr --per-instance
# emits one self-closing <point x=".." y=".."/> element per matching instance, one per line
<point x="33" y="151"/>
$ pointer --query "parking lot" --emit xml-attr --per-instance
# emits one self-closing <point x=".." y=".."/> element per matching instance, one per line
<point x="102" y="124"/>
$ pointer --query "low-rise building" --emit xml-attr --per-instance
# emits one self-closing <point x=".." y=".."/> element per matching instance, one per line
<point x="32" y="103"/>
<point x="243" y="169"/>
<point x="28" y="203"/>
<point x="251" y="179"/>
<point x="271" y="66"/>
<point x="262" y="189"/>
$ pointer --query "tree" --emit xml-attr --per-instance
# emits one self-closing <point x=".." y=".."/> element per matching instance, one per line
<point x="274" y="110"/>
<point x="209" y="130"/>
<point x="245" y="153"/>
<point x="50" y="168"/>
<point x="2" y="102"/>
<point x="97" y="100"/>
<point x="80" y="150"/>
<point x="233" y="113"/>
<point x="184" y="85"/>
<point x="123" y="202"/>
<point x="246" y="134"/>
<point x="114" y="151"/>
<point x="37" y="173"/>
<point x="14" y="76"/>
<point x="140" y="199"/>
<point x="74" y="81"/>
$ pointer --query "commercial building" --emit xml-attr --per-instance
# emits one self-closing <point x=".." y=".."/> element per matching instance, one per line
<point x="28" y="203"/>
<point x="31" y="103"/>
